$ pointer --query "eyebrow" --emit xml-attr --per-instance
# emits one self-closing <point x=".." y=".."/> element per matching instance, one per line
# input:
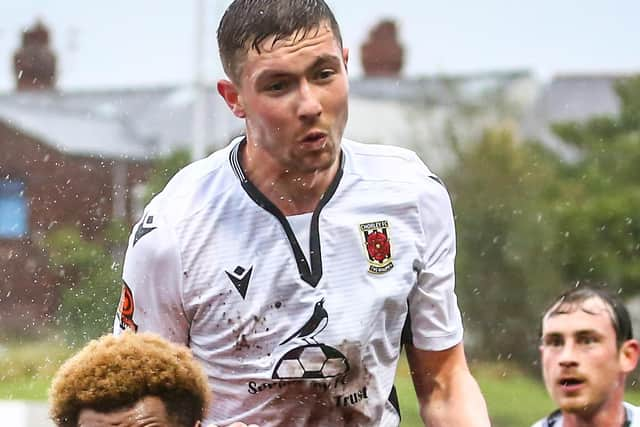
<point x="326" y="59"/>
<point x="574" y="333"/>
<point x="588" y="332"/>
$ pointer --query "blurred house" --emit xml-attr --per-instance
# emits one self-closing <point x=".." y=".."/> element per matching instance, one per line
<point x="439" y="115"/>
<point x="427" y="114"/>
<point x="570" y="97"/>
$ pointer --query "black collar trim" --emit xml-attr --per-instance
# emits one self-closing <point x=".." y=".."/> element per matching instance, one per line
<point x="556" y="416"/>
<point x="313" y="274"/>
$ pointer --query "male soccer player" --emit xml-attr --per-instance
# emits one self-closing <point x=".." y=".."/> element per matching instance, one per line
<point x="290" y="260"/>
<point x="133" y="380"/>
<point x="587" y="350"/>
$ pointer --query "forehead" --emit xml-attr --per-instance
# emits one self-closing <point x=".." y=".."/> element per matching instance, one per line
<point x="592" y="313"/>
<point x="304" y="41"/>
<point x="147" y="412"/>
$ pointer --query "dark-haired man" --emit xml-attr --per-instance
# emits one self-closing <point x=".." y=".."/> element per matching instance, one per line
<point x="290" y="260"/>
<point x="587" y="349"/>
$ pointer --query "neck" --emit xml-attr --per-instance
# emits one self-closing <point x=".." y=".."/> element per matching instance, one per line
<point x="604" y="417"/>
<point x="293" y="191"/>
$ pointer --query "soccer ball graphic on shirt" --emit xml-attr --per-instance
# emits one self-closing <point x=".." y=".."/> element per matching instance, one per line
<point x="311" y="361"/>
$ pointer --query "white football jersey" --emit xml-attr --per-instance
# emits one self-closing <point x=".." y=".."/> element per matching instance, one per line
<point x="288" y="338"/>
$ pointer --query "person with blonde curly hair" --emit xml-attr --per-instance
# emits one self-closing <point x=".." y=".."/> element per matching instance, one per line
<point x="132" y="380"/>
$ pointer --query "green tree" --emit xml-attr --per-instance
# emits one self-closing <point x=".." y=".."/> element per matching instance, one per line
<point x="89" y="280"/>
<point x="90" y="270"/>
<point x="505" y="269"/>
<point x="598" y="210"/>
<point x="164" y="168"/>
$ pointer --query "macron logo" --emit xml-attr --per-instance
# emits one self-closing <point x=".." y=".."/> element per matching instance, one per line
<point x="240" y="278"/>
<point x="146" y="226"/>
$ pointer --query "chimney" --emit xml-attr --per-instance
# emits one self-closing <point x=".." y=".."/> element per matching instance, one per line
<point x="382" y="54"/>
<point x="34" y="63"/>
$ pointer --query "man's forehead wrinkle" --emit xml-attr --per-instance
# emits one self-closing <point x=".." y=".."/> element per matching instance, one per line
<point x="297" y="36"/>
<point x="592" y="306"/>
<point x="573" y="309"/>
<point x="301" y="38"/>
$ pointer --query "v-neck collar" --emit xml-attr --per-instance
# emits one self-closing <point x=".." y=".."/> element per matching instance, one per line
<point x="310" y="272"/>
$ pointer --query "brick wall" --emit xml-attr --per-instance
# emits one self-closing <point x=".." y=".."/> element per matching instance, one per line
<point x="60" y="189"/>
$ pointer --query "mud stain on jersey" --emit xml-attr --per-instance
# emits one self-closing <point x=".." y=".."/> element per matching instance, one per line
<point x="342" y="400"/>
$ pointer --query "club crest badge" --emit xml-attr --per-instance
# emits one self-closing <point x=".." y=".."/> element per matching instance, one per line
<point x="377" y="246"/>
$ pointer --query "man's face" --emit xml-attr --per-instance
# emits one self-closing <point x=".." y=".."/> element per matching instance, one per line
<point x="293" y="96"/>
<point x="147" y="412"/>
<point x="581" y="364"/>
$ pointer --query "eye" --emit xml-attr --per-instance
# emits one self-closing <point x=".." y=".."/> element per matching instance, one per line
<point x="277" y="86"/>
<point x="587" y="339"/>
<point x="325" y="74"/>
<point x="552" y="341"/>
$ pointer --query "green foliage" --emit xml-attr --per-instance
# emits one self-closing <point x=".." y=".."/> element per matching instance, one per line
<point x="530" y="225"/>
<point x="163" y="169"/>
<point x="89" y="269"/>
<point x="629" y="92"/>
<point x="505" y="268"/>
<point x="598" y="209"/>
<point x="89" y="280"/>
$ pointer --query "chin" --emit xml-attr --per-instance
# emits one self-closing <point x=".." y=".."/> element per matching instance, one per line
<point x="317" y="164"/>
<point x="575" y="405"/>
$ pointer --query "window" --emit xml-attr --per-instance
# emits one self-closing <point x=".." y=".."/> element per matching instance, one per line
<point x="13" y="209"/>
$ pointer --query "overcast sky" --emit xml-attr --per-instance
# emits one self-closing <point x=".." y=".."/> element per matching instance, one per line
<point x="125" y="43"/>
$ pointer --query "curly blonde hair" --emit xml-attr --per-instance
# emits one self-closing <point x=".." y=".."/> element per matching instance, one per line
<point x="117" y="371"/>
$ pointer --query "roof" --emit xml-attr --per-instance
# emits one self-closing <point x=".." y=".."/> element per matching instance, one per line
<point x="443" y="90"/>
<point x="75" y="132"/>
<point x="129" y="123"/>
<point x="571" y="97"/>
<point x="576" y="97"/>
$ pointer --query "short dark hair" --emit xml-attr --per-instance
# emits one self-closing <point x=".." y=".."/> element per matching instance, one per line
<point x="573" y="299"/>
<point x="114" y="373"/>
<point x="247" y="23"/>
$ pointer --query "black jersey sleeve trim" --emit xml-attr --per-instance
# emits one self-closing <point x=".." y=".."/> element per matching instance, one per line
<point x="406" y="337"/>
<point x="393" y="399"/>
<point x="310" y="274"/>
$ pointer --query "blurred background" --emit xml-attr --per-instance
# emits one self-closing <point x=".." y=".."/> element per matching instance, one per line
<point x="530" y="112"/>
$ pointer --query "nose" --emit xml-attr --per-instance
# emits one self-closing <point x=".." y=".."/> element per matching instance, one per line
<point x="309" y="106"/>
<point x="568" y="356"/>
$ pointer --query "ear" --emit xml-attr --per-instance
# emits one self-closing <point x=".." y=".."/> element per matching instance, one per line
<point x="231" y="96"/>
<point x="628" y="355"/>
<point x="345" y="56"/>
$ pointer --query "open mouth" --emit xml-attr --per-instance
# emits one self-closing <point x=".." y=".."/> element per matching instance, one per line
<point x="314" y="137"/>
<point x="571" y="384"/>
